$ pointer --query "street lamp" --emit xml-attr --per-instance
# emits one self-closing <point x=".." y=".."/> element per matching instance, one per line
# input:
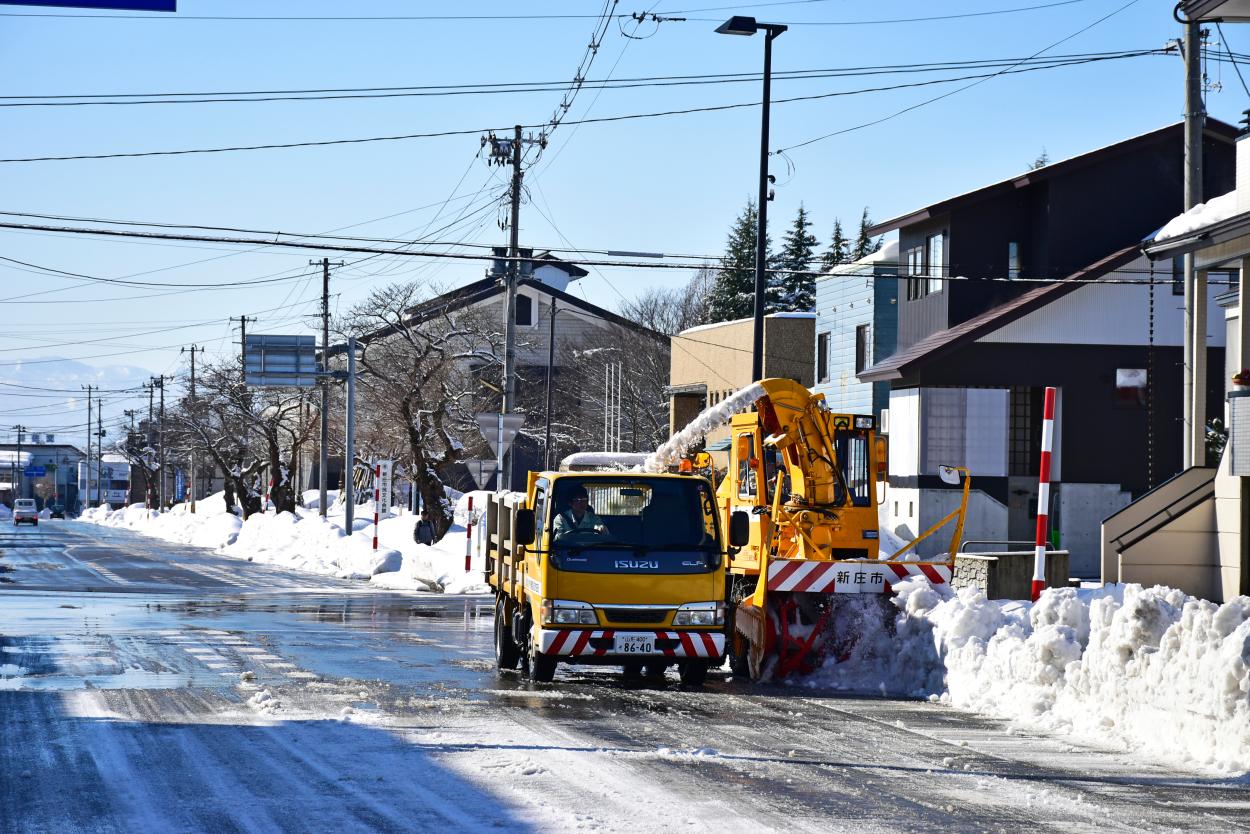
<point x="738" y="25"/>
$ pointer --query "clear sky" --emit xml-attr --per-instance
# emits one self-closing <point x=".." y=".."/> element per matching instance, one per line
<point x="671" y="184"/>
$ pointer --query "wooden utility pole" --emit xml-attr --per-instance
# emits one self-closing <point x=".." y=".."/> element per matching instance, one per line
<point x="193" y="350"/>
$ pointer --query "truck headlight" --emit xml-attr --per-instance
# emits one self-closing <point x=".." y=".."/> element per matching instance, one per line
<point x="700" y="614"/>
<point x="568" y="612"/>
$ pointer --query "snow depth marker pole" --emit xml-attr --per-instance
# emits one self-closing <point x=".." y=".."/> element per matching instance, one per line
<point x="468" y="535"/>
<point x="377" y="500"/>
<point x="1043" y="495"/>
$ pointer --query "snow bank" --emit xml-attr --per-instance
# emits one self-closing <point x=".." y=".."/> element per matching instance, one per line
<point x="305" y="541"/>
<point x="1151" y="669"/>
<point x="1200" y="216"/>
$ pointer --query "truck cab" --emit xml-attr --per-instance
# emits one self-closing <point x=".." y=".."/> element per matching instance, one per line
<point x="617" y="568"/>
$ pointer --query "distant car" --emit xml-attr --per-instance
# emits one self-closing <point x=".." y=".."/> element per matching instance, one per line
<point x="56" y="511"/>
<point x="24" y="510"/>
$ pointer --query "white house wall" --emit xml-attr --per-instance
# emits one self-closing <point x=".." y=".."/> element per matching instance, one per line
<point x="1113" y="314"/>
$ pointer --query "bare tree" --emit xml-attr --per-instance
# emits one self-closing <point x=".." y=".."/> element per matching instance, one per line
<point x="672" y="310"/>
<point x="420" y="366"/>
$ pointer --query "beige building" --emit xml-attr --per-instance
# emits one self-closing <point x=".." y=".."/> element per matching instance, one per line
<point x="711" y="362"/>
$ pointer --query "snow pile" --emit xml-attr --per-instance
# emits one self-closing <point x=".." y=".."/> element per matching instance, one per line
<point x="305" y="541"/>
<point x="1200" y="216"/>
<point x="675" y="447"/>
<point x="1151" y="669"/>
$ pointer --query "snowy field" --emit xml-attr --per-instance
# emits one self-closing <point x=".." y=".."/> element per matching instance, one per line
<point x="305" y="541"/>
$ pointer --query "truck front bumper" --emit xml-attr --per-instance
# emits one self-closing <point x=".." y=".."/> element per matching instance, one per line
<point x="603" y="642"/>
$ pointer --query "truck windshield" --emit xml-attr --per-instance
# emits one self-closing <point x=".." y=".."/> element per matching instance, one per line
<point x="632" y="513"/>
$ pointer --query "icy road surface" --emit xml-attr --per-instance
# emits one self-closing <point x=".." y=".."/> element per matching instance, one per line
<point x="149" y="687"/>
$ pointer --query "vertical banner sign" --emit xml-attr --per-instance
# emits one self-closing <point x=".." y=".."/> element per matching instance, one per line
<point x="377" y="499"/>
<point x="1043" y="495"/>
<point x="386" y="469"/>
<point x="468" y="535"/>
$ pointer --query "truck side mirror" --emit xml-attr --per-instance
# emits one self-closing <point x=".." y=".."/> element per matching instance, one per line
<point x="523" y="529"/>
<point x="739" y="529"/>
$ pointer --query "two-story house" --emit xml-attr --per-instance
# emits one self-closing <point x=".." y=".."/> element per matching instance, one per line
<point x="1038" y="281"/>
<point x="856" y="325"/>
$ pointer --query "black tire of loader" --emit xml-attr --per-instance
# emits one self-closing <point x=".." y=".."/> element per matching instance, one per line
<point x="542" y="668"/>
<point x="507" y="653"/>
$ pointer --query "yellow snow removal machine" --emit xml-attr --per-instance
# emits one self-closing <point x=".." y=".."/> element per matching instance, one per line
<point x="810" y="480"/>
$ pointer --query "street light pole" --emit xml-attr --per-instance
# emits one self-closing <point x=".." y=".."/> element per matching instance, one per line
<point x="749" y="26"/>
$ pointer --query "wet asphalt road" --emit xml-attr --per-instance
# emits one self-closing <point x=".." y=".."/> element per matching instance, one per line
<point x="150" y="687"/>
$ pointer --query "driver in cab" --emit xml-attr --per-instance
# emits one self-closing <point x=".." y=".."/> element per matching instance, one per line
<point x="578" y="517"/>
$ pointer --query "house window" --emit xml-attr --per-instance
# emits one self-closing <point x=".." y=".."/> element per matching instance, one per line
<point x="1024" y="439"/>
<point x="863" y="351"/>
<point x="822" y="357"/>
<point x="937" y="262"/>
<point x="524" y="311"/>
<point x="1130" y="387"/>
<point x="917" y="284"/>
<point x="1013" y="260"/>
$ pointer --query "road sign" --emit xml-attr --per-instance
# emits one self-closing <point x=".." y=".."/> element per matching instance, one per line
<point x="34" y="472"/>
<point x="115" y="5"/>
<point x="489" y="423"/>
<point x="280" y="361"/>
<point x="482" y="471"/>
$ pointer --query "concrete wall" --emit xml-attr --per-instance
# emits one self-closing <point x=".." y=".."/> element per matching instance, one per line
<point x="909" y="512"/>
<point x="1082" y="507"/>
<point x="1008" y="575"/>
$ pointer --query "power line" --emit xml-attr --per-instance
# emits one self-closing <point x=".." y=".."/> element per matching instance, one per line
<point x="596" y="120"/>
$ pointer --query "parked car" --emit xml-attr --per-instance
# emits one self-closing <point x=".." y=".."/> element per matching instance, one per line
<point x="24" y="510"/>
<point x="56" y="511"/>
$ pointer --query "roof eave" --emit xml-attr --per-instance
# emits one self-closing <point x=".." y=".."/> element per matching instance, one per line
<point x="1213" y="235"/>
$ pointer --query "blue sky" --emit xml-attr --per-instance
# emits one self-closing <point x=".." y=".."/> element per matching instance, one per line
<point x="670" y="184"/>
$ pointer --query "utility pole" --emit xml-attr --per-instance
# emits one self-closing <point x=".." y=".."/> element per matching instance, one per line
<point x="349" y="456"/>
<point x="551" y="358"/>
<point x="87" y="469"/>
<point x="514" y="275"/>
<point x="18" y="481"/>
<point x="99" y="451"/>
<point x="193" y="349"/>
<point x="242" y="320"/>
<point x="147" y="444"/>
<point x="159" y="383"/>
<point x="1195" y="360"/>
<point x="323" y="454"/>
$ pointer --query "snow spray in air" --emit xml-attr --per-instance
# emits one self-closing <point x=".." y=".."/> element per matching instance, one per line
<point x="710" y="418"/>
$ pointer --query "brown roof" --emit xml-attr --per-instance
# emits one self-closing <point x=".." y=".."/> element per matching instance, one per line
<point x="944" y="341"/>
<point x="1214" y="127"/>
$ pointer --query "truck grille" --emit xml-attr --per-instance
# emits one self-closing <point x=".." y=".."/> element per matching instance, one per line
<point x="636" y="615"/>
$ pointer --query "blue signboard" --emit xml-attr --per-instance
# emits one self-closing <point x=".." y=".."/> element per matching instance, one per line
<point x="115" y="5"/>
<point x="34" y="472"/>
<point x="180" y="486"/>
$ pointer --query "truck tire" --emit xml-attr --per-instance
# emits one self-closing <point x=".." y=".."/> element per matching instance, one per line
<point x="654" y="671"/>
<point x="693" y="672"/>
<point x="542" y="667"/>
<point x="507" y="654"/>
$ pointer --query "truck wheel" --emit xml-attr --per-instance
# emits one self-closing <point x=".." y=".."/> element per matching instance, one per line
<point x="507" y="655"/>
<point x="693" y="672"/>
<point x="542" y="667"/>
<point x="655" y="671"/>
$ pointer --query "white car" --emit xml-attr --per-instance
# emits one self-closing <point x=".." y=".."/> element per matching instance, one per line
<point x="24" y="510"/>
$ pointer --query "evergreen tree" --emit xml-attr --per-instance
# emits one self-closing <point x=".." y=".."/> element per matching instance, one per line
<point x="864" y="245"/>
<point x="733" y="294"/>
<point x="838" y="251"/>
<point x="797" y="283"/>
<point x="1043" y="159"/>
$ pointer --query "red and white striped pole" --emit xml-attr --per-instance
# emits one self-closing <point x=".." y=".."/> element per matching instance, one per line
<point x="377" y="500"/>
<point x="468" y="535"/>
<point x="1043" y="495"/>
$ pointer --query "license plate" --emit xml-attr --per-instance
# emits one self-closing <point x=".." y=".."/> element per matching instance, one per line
<point x="635" y="644"/>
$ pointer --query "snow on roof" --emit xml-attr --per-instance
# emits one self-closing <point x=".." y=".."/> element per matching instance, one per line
<point x="888" y="252"/>
<point x="581" y="461"/>
<point x="1213" y="211"/>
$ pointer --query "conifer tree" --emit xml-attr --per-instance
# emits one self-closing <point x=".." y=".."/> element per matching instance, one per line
<point x="733" y="294"/>
<point x="838" y="251"/>
<point x="865" y="245"/>
<point x="797" y="283"/>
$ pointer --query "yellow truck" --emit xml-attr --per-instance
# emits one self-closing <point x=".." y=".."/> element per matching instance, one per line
<point x="616" y="568"/>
